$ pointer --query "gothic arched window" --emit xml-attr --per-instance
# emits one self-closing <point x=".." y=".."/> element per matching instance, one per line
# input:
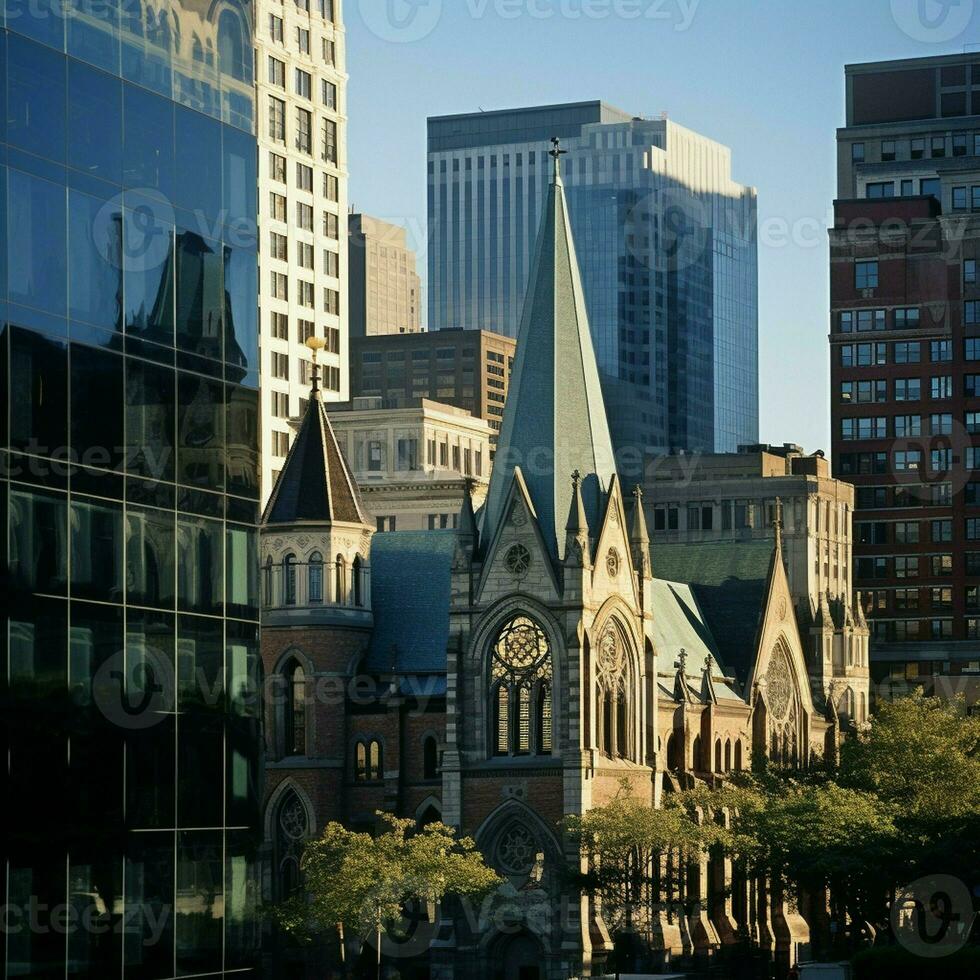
<point x="294" y="709"/>
<point x="315" y="578"/>
<point x="367" y="760"/>
<point x="291" y="829"/>
<point x="521" y="690"/>
<point x="289" y="579"/>
<point x="268" y="581"/>
<point x="613" y="687"/>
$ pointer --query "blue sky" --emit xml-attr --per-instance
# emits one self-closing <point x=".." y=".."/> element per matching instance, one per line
<point x="764" y="77"/>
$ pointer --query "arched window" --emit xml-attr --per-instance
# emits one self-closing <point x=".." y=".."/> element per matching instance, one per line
<point x="367" y="761"/>
<point x="738" y="756"/>
<point x="291" y="829"/>
<point x="697" y="762"/>
<point x="268" y="581"/>
<point x="294" y="709"/>
<point x="315" y="575"/>
<point x="718" y="755"/>
<point x="520" y="689"/>
<point x="430" y="757"/>
<point x="613" y="687"/>
<point x="862" y="707"/>
<point x="673" y="752"/>
<point x="728" y="755"/>
<point x="357" y="585"/>
<point x="340" y="581"/>
<point x="289" y="579"/>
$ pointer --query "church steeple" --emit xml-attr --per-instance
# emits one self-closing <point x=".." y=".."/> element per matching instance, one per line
<point x="555" y="419"/>
<point x="316" y="483"/>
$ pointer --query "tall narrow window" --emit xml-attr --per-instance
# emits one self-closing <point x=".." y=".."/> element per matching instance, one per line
<point x="430" y="757"/>
<point x="374" y="760"/>
<point x="360" y="761"/>
<point x="289" y="579"/>
<point x="340" y="585"/>
<point x="521" y="677"/>
<point x="268" y="581"/>
<point x="315" y="574"/>
<point x="357" y="576"/>
<point x="294" y="710"/>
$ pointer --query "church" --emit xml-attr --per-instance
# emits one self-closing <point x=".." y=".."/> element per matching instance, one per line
<point x="530" y="663"/>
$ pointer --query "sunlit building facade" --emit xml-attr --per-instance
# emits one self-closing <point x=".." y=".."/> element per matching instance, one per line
<point x="667" y="245"/>
<point x="128" y="356"/>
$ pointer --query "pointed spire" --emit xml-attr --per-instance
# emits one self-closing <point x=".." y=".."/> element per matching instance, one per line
<point x="707" y="683"/>
<point x="681" y="692"/>
<point x="860" y="617"/>
<point x="777" y="524"/>
<point x="576" y="524"/>
<point x="555" y="418"/>
<point x="467" y="536"/>
<point x="640" y="537"/>
<point x="316" y="483"/>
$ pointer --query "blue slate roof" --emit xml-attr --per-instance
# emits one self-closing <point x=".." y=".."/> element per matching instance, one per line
<point x="411" y="579"/>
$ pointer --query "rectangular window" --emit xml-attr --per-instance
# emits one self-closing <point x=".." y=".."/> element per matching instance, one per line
<point x="331" y="301"/>
<point x="304" y="131"/>
<point x="304" y="216"/>
<point x="304" y="255"/>
<point x="971" y="385"/>
<point x="880" y="189"/>
<point x="908" y="425"/>
<point x="280" y="366"/>
<point x="303" y="40"/>
<point x="907" y="353"/>
<point x="908" y="188"/>
<point x="279" y="286"/>
<point x="277" y="119"/>
<point x="328" y="94"/>
<point x="941" y="424"/>
<point x="887" y="150"/>
<point x="959" y="199"/>
<point x="941" y="388"/>
<point x="304" y="177"/>
<point x="277" y="207"/>
<point x="866" y="275"/>
<point x="331" y="263"/>
<point x="940" y="460"/>
<point x="331" y="187"/>
<point x="305" y="297"/>
<point x="304" y="84"/>
<point x="938" y="146"/>
<point x="328" y="141"/>
<point x="975" y="197"/>
<point x="907" y="318"/>
<point x="279" y="326"/>
<point x="971" y="349"/>
<point x="275" y="28"/>
<point x="857" y="153"/>
<point x="969" y="272"/>
<point x="940" y="350"/>
<point x="959" y="144"/>
<point x="331" y="225"/>
<point x="277" y="72"/>
<point x="917" y="149"/>
<point x="277" y="167"/>
<point x="907" y="532"/>
<point x="908" y="389"/>
<point x="942" y="531"/>
<point x="907" y="459"/>
<point x="280" y="440"/>
<point x="329" y="52"/>
<point x="304" y="330"/>
<point x="973" y="422"/>
<point x="280" y="404"/>
<point x="278" y="246"/>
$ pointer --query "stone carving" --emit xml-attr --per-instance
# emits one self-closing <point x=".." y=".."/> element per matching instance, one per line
<point x="517" y="559"/>
<point x="779" y="684"/>
<point x="516" y="850"/>
<point x="612" y="562"/>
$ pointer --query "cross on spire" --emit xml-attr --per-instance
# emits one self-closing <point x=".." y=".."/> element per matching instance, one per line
<point x="576" y="478"/>
<point x="556" y="153"/>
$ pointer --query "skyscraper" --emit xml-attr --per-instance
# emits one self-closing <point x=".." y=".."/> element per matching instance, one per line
<point x="385" y="289"/>
<point x="301" y="98"/>
<point x="667" y="245"/>
<point x="905" y="361"/>
<point x="128" y="357"/>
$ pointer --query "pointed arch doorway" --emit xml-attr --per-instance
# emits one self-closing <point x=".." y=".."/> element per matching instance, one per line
<point x="517" y="957"/>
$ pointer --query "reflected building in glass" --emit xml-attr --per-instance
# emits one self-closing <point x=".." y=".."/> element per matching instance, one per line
<point x="666" y="241"/>
<point x="129" y="428"/>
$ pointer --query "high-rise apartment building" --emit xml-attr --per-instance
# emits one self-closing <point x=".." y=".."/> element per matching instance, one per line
<point x="385" y="289"/>
<point x="667" y="246"/>
<point x="466" y="368"/>
<point x="301" y="110"/>
<point x="129" y="366"/>
<point x="905" y="358"/>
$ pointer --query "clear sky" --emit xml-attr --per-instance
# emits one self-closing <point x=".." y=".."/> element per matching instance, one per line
<point x="764" y="77"/>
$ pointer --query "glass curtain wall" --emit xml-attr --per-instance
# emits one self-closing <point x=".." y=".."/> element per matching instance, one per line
<point x="128" y="429"/>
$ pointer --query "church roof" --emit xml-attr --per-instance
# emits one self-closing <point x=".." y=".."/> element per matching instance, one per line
<point x="554" y="420"/>
<point x="678" y="624"/>
<point x="316" y="483"/>
<point x="729" y="580"/>
<point x="411" y="584"/>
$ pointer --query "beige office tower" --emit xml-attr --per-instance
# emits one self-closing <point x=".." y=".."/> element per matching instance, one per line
<point x="302" y="136"/>
<point x="385" y="289"/>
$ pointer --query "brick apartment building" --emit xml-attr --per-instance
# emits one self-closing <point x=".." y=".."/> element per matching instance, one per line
<point x="905" y="361"/>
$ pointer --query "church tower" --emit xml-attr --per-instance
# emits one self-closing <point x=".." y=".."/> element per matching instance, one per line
<point x="550" y="688"/>
<point x="315" y="542"/>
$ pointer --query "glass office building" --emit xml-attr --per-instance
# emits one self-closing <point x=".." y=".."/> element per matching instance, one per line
<point x="666" y="241"/>
<point x="129" y="495"/>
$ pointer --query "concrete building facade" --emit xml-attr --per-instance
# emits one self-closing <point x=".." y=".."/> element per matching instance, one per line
<point x="740" y="497"/>
<point x="469" y="369"/>
<point x="413" y="462"/>
<point x="667" y="242"/>
<point x="384" y="286"/>
<point x="905" y="362"/>
<point x="301" y="99"/>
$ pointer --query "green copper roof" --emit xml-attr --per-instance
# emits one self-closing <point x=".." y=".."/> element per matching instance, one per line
<point x="729" y="581"/>
<point x="555" y="420"/>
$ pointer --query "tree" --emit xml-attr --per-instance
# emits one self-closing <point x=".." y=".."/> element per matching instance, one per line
<point x="358" y="884"/>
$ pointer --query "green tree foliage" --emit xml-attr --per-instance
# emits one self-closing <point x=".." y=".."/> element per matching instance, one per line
<point x="361" y="884"/>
